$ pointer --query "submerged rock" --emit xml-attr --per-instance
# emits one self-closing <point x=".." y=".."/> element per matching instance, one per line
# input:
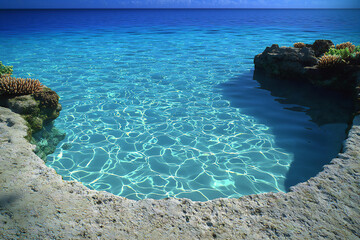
<point x="46" y="140"/>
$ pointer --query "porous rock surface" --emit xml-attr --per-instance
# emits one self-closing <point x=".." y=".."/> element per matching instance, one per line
<point x="35" y="203"/>
<point x="285" y="61"/>
<point x="321" y="46"/>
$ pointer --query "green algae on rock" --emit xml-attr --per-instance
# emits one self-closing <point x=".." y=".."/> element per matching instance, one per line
<point x="5" y="70"/>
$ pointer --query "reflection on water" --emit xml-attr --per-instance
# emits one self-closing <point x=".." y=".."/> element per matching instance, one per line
<point x="307" y="121"/>
<point x="322" y="106"/>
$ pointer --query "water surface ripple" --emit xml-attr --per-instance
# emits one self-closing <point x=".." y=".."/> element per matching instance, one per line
<point x="142" y="110"/>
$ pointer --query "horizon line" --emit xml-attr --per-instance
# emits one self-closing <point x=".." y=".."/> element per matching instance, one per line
<point x="182" y="8"/>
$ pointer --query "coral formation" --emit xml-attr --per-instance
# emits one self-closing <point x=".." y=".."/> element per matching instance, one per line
<point x="12" y="86"/>
<point x="328" y="61"/>
<point x="36" y="103"/>
<point x="299" y="45"/>
<point x="346" y="51"/>
<point x="348" y="45"/>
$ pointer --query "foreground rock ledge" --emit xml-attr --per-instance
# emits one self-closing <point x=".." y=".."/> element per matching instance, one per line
<point x="43" y="206"/>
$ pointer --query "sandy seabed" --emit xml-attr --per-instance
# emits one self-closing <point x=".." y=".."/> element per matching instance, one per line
<point x="46" y="207"/>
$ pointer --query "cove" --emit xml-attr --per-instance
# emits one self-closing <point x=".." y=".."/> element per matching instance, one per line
<point x="141" y="110"/>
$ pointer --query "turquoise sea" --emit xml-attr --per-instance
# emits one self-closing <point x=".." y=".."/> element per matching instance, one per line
<point x="163" y="103"/>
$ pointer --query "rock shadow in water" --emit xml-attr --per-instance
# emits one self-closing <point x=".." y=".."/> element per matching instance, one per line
<point x="308" y="122"/>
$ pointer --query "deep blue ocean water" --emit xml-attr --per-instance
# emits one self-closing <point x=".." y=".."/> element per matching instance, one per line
<point x="163" y="103"/>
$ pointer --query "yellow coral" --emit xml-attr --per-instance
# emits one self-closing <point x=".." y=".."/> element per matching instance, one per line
<point x="18" y="86"/>
<point x="328" y="61"/>
<point x="299" y="45"/>
<point x="348" y="45"/>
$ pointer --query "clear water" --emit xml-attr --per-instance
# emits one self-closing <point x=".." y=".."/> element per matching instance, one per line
<point x="162" y="103"/>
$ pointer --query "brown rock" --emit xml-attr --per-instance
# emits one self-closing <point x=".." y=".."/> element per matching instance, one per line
<point x="301" y="64"/>
<point x="47" y="97"/>
<point x="321" y="46"/>
<point x="285" y="61"/>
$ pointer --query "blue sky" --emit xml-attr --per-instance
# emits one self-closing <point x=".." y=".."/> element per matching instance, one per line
<point x="4" y="4"/>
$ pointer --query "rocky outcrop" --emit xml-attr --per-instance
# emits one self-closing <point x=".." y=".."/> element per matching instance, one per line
<point x="35" y="203"/>
<point x="37" y="109"/>
<point x="320" y="47"/>
<point x="300" y="64"/>
<point x="285" y="62"/>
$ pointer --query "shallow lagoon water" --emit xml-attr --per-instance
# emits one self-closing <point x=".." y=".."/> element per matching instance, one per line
<point x="162" y="103"/>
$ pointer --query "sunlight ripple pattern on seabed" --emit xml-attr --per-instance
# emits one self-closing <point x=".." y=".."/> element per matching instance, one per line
<point x="141" y="109"/>
<point x="148" y="123"/>
<point x="136" y="146"/>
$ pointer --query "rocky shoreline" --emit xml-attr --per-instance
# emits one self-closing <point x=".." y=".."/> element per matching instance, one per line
<point x="43" y="206"/>
<point x="39" y="110"/>
<point x="35" y="203"/>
